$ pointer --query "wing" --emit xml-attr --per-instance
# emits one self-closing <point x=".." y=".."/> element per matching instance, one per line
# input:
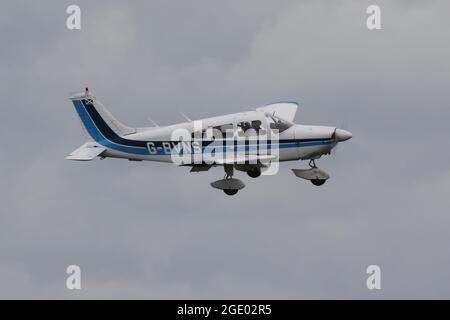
<point x="243" y="159"/>
<point x="283" y="110"/>
<point x="86" y="152"/>
<point x="200" y="168"/>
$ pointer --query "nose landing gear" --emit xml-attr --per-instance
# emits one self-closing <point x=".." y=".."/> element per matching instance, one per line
<point x="317" y="176"/>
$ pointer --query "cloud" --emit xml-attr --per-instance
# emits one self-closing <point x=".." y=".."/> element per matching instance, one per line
<point x="150" y="230"/>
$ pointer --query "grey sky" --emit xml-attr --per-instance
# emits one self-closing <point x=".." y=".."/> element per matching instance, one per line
<point x="149" y="230"/>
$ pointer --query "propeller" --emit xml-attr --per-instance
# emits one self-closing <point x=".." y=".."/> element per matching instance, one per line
<point x="335" y="149"/>
<point x="340" y="135"/>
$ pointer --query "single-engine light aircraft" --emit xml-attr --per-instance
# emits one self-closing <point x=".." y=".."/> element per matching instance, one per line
<point x="252" y="141"/>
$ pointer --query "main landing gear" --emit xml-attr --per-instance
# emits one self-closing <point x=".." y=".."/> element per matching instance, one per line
<point x="228" y="184"/>
<point x="255" y="172"/>
<point x="317" y="176"/>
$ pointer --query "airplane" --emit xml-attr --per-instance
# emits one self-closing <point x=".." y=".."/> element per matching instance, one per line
<point x="251" y="141"/>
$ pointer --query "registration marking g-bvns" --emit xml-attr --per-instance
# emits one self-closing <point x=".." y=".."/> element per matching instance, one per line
<point x="167" y="147"/>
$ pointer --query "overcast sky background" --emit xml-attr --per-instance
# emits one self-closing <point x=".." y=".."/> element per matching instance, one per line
<point x="149" y="230"/>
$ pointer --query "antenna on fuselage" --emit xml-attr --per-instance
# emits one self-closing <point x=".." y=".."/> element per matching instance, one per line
<point x="153" y="122"/>
<point x="185" y="116"/>
<point x="88" y="96"/>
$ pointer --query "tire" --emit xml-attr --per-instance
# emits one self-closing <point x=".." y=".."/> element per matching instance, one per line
<point x="231" y="192"/>
<point x="318" y="182"/>
<point x="254" y="173"/>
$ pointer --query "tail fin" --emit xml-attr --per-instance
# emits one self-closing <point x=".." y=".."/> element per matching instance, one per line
<point x="97" y="121"/>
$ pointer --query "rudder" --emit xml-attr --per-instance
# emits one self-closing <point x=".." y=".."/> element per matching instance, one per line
<point x="95" y="116"/>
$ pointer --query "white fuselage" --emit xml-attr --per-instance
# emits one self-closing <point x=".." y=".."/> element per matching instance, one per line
<point x="297" y="142"/>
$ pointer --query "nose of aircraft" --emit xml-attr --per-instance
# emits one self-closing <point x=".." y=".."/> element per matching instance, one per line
<point x="342" y="135"/>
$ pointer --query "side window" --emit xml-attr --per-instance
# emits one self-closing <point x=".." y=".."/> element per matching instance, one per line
<point x="196" y="135"/>
<point x="256" y="124"/>
<point x="247" y="128"/>
<point x="224" y="129"/>
<point x="212" y="133"/>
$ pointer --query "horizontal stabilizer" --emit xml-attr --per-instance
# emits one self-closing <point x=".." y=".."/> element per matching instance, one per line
<point x="86" y="152"/>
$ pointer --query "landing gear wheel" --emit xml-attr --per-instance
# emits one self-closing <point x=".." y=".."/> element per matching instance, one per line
<point x="231" y="192"/>
<point x="318" y="182"/>
<point x="254" y="173"/>
<point x="228" y="184"/>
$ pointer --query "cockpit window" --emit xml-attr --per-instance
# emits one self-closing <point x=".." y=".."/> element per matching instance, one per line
<point x="277" y="123"/>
